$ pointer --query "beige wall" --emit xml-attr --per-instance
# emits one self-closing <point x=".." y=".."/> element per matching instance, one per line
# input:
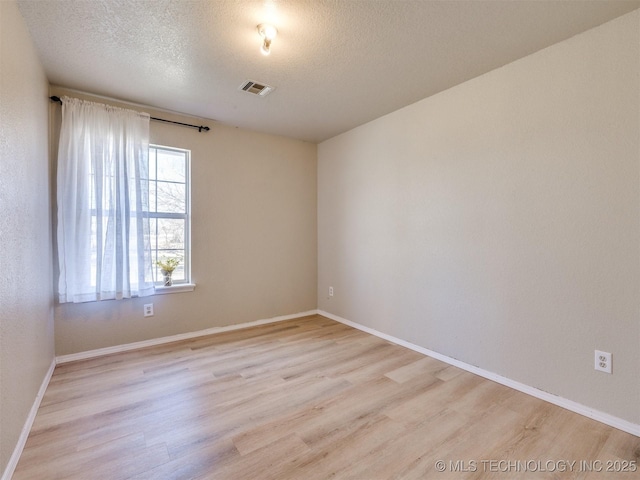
<point x="254" y="239"/>
<point x="26" y="303"/>
<point x="498" y="222"/>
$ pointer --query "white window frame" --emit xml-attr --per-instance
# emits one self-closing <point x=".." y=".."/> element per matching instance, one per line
<point x="185" y="284"/>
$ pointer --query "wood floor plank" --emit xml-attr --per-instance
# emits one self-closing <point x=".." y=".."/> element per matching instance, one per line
<point x="304" y="399"/>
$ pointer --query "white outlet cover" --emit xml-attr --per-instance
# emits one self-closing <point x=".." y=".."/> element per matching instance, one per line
<point x="602" y="361"/>
<point x="148" y="310"/>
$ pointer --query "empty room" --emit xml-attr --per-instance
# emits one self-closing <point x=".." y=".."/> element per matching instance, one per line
<point x="314" y="239"/>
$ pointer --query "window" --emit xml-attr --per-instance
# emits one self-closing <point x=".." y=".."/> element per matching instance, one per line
<point x="123" y="205"/>
<point x="169" y="209"/>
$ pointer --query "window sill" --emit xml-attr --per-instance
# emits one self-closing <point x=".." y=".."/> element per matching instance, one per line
<point x="179" y="288"/>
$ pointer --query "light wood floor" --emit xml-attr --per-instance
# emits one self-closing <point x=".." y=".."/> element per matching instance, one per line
<point x="302" y="399"/>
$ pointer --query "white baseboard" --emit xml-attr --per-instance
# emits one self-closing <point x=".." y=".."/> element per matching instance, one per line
<point x="174" y="338"/>
<point x="575" y="407"/>
<point x="26" y="428"/>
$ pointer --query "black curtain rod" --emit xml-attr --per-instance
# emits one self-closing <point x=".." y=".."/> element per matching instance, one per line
<point x="199" y="127"/>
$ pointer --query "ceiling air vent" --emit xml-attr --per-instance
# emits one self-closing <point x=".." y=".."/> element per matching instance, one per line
<point x="255" y="88"/>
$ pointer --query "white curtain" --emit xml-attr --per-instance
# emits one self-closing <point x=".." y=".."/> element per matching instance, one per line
<point x="104" y="250"/>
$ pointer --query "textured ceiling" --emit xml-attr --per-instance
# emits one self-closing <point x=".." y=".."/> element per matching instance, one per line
<point x="335" y="64"/>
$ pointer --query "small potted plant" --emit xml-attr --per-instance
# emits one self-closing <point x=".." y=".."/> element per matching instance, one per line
<point x="167" y="266"/>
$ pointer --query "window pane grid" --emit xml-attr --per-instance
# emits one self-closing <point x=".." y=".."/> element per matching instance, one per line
<point x="169" y="205"/>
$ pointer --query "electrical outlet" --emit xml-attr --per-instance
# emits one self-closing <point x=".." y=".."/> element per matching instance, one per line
<point x="148" y="310"/>
<point x="603" y="361"/>
<point x="331" y="291"/>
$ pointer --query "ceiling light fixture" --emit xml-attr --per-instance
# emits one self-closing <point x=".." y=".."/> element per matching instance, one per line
<point x="268" y="33"/>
